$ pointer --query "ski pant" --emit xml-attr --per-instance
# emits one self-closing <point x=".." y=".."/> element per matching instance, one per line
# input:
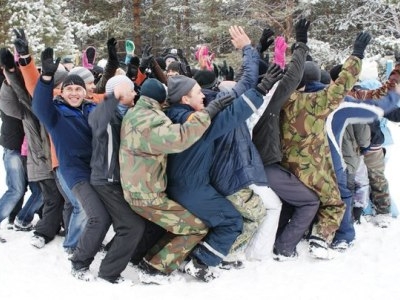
<point x="260" y="247"/>
<point x="380" y="198"/>
<point x="346" y="230"/>
<point x="53" y="202"/>
<point x="300" y="207"/>
<point x="97" y="225"/>
<point x="128" y="227"/>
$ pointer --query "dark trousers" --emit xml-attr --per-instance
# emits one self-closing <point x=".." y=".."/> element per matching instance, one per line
<point x="128" y="227"/>
<point x="225" y="223"/>
<point x="300" y="205"/>
<point x="98" y="223"/>
<point x="53" y="203"/>
<point x="15" y="211"/>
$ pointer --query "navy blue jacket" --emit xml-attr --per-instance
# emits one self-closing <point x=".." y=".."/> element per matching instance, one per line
<point x="192" y="166"/>
<point x="69" y="129"/>
<point x="237" y="163"/>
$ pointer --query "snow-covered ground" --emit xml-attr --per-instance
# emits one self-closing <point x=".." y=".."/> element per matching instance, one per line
<point x="369" y="270"/>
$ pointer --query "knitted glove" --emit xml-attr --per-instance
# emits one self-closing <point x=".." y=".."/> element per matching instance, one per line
<point x="301" y="29"/>
<point x="49" y="66"/>
<point x="112" y="49"/>
<point x="361" y="42"/>
<point x="265" y="40"/>
<point x="217" y="105"/>
<point x="7" y="59"/>
<point x="147" y="58"/>
<point x="280" y="51"/>
<point x="21" y="43"/>
<point x="273" y="74"/>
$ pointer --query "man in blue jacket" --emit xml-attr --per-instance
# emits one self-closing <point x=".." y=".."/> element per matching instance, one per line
<point x="188" y="172"/>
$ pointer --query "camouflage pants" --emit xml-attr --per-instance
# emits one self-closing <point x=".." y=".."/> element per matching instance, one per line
<point x="184" y="232"/>
<point x="252" y="208"/>
<point x="380" y="198"/>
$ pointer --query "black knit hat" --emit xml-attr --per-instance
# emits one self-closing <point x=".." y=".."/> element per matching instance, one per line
<point x="73" y="79"/>
<point x="154" y="89"/>
<point x="206" y="79"/>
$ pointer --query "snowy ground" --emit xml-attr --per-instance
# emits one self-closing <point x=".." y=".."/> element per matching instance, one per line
<point x="369" y="270"/>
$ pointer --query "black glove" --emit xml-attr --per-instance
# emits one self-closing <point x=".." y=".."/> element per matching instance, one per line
<point x="21" y="43"/>
<point x="361" y="42"/>
<point x="147" y="58"/>
<point x="7" y="59"/>
<point x="49" y="66"/>
<point x="273" y="74"/>
<point x="217" y="105"/>
<point x="265" y="40"/>
<point x="112" y="49"/>
<point x="301" y="29"/>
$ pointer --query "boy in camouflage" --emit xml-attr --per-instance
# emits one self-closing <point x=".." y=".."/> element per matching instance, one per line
<point x="147" y="136"/>
<point x="305" y="146"/>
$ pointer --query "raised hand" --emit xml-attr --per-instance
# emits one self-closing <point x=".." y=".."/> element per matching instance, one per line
<point x="112" y="49"/>
<point x="21" y="43"/>
<point x="239" y="37"/>
<point x="49" y="66"/>
<point x="301" y="29"/>
<point x="266" y="40"/>
<point x="273" y="74"/>
<point x="361" y="42"/>
<point x="147" y="57"/>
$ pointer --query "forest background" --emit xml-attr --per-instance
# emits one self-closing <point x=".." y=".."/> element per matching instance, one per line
<point x="69" y="26"/>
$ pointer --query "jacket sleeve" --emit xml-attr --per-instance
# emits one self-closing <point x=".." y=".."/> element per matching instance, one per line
<point x="102" y="114"/>
<point x="9" y="103"/>
<point x="249" y="77"/>
<point x="394" y="78"/>
<point x="109" y="71"/>
<point x="31" y="76"/>
<point x="42" y="103"/>
<point x="18" y="86"/>
<point x="337" y="90"/>
<point x="387" y="102"/>
<point x="234" y="115"/>
<point x="290" y="81"/>
<point x="394" y="115"/>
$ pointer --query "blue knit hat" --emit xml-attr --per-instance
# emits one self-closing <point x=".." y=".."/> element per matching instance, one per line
<point x="153" y="89"/>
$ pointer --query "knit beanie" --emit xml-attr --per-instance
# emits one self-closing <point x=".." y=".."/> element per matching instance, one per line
<point x="115" y="80"/>
<point x="179" y="86"/>
<point x="312" y="72"/>
<point x="334" y="72"/>
<point x="325" y="77"/>
<point x="84" y="73"/>
<point x="59" y="76"/>
<point x="206" y="79"/>
<point x="153" y="89"/>
<point x="73" y="79"/>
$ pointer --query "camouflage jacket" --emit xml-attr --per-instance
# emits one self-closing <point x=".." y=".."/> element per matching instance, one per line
<point x="305" y="145"/>
<point x="147" y="136"/>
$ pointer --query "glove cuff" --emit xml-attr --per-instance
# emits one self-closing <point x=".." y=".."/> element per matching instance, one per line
<point x="261" y="90"/>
